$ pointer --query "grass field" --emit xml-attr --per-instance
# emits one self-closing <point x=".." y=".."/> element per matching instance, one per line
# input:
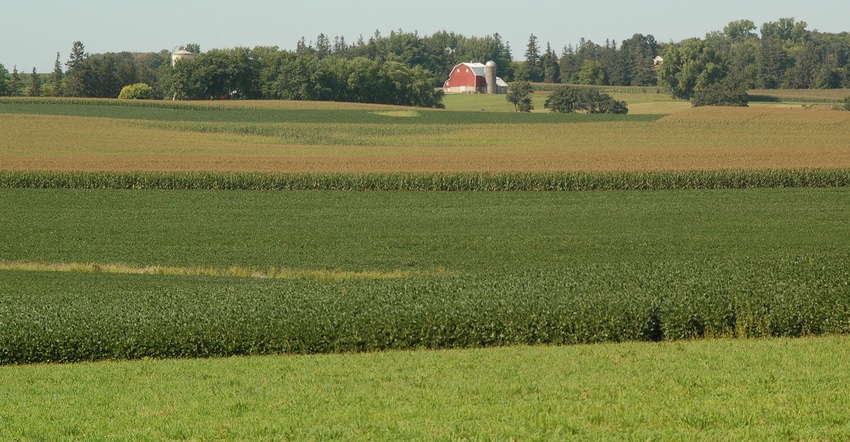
<point x="93" y="274"/>
<point x="700" y="391"/>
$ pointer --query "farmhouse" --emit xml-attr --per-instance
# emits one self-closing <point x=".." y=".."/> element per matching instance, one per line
<point x="475" y="78"/>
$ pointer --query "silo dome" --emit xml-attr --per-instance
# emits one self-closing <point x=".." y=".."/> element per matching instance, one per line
<point x="491" y="63"/>
<point x="181" y="54"/>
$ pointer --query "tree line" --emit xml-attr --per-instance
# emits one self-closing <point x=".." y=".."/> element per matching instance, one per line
<point x="405" y="67"/>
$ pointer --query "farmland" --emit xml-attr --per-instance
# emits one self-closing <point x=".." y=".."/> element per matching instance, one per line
<point x="163" y="230"/>
<point x="267" y="139"/>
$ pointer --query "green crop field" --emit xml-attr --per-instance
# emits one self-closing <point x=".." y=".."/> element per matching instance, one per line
<point x="449" y="266"/>
<point x="338" y="271"/>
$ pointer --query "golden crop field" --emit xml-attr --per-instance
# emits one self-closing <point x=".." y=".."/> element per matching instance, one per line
<point x="688" y="139"/>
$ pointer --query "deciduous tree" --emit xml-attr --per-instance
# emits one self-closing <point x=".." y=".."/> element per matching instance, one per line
<point x="519" y="94"/>
<point x="690" y="66"/>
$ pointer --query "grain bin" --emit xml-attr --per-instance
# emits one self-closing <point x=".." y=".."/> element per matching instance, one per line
<point x="490" y="75"/>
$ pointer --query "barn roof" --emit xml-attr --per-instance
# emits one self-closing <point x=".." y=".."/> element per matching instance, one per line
<point x="479" y="69"/>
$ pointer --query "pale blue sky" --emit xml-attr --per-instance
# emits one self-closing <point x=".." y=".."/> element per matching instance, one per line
<point x="31" y="32"/>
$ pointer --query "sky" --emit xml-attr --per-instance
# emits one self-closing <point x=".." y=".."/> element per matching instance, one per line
<point x="32" y="32"/>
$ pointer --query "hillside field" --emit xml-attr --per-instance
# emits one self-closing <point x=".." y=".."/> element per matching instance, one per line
<point x="284" y="137"/>
<point x="135" y="305"/>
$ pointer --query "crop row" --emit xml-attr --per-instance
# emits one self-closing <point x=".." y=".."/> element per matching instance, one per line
<point x="47" y="317"/>
<point x="529" y="181"/>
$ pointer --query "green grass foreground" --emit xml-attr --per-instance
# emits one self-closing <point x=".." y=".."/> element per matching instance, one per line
<point x="486" y="269"/>
<point x="743" y="390"/>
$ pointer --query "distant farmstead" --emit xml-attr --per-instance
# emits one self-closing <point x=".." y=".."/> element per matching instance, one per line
<point x="475" y="78"/>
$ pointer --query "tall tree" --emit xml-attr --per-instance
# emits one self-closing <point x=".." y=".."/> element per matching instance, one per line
<point x="323" y="46"/>
<point x="690" y="66"/>
<point x="636" y="55"/>
<point x="34" y="89"/>
<point x="740" y="30"/>
<point x="772" y="62"/>
<point x="551" y="70"/>
<point x="76" y="77"/>
<point x="4" y="81"/>
<point x="568" y="65"/>
<point x="56" y="77"/>
<point x="786" y="29"/>
<point x="15" y="83"/>
<point x="807" y="68"/>
<point x="532" y="70"/>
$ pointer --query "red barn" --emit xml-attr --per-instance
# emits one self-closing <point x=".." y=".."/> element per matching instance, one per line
<point x="475" y="78"/>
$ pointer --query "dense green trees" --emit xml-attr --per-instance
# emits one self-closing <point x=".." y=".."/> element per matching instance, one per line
<point x="401" y="67"/>
<point x="569" y="99"/>
<point x="694" y="70"/>
<point x="690" y="66"/>
<point x="720" y="94"/>
<point x="268" y="73"/>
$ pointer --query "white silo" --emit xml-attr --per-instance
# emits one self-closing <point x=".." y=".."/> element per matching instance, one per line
<point x="180" y="55"/>
<point x="490" y="76"/>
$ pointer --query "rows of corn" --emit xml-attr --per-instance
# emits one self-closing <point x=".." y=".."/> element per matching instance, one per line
<point x="522" y="181"/>
<point x="79" y="317"/>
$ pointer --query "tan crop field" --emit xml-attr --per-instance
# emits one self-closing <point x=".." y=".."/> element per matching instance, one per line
<point x="701" y="138"/>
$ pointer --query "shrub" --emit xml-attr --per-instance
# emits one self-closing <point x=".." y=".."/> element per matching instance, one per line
<point x="847" y="103"/>
<point x="720" y="94"/>
<point x="571" y="99"/>
<point x="138" y="91"/>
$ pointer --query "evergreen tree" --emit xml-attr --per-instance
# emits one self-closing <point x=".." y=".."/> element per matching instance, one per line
<point x="57" y="77"/>
<point x="533" y="66"/>
<point x="15" y="83"/>
<point x="4" y="81"/>
<point x="323" y="46"/>
<point x="551" y="70"/>
<point x="34" y="89"/>
<point x="76" y="78"/>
